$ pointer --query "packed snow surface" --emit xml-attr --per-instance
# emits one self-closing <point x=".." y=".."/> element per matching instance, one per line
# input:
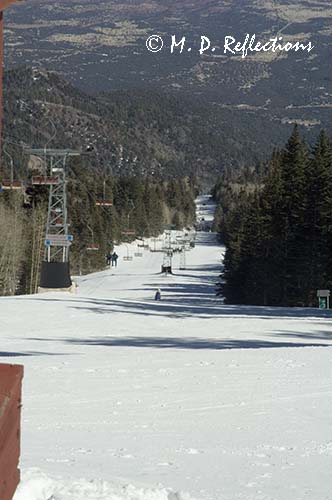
<point x="126" y="398"/>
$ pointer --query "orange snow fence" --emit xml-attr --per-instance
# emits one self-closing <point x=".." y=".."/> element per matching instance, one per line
<point x="10" y="423"/>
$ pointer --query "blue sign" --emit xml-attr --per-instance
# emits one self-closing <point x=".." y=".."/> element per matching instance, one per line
<point x="58" y="240"/>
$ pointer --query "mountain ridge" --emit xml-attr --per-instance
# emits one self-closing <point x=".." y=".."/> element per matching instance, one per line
<point x="100" y="47"/>
<point x="130" y="132"/>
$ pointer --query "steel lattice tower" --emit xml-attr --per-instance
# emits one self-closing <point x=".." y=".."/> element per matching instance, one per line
<point x="57" y="218"/>
<point x="168" y="252"/>
<point x="55" y="269"/>
<point x="183" y="258"/>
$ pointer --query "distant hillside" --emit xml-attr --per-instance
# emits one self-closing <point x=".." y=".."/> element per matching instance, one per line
<point x="167" y="113"/>
<point x="100" y="46"/>
<point x="131" y="132"/>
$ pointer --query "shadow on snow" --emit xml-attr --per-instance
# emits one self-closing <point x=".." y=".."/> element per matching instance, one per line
<point x="181" y="306"/>
<point x="182" y="343"/>
<point x="13" y="354"/>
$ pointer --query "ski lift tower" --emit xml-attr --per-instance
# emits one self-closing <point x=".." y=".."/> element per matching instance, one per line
<point x="166" y="267"/>
<point x="184" y="248"/>
<point x="4" y="4"/>
<point x="55" y="271"/>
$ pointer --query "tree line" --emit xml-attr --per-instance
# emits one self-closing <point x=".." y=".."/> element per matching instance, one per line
<point x="277" y="227"/>
<point x="141" y="207"/>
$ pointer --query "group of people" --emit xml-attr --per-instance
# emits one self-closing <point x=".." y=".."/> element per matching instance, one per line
<point x="112" y="259"/>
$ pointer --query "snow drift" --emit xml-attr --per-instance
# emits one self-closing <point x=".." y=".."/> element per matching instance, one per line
<point x="39" y="486"/>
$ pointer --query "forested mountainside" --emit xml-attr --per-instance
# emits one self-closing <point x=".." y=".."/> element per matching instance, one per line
<point x="101" y="46"/>
<point x="276" y="225"/>
<point x="128" y="132"/>
<point x="141" y="208"/>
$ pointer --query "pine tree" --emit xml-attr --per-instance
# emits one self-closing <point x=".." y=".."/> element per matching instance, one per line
<point x="269" y="235"/>
<point x="294" y="166"/>
<point x="325" y="216"/>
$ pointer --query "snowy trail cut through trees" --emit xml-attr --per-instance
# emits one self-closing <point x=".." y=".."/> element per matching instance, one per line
<point x="126" y="398"/>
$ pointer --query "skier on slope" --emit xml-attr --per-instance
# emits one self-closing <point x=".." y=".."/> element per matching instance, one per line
<point x="157" y="294"/>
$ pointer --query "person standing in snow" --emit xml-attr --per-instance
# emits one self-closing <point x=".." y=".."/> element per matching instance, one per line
<point x="109" y="258"/>
<point x="115" y="259"/>
<point x="158" y="295"/>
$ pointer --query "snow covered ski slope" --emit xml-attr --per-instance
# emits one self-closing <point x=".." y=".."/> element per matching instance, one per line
<point x="126" y="398"/>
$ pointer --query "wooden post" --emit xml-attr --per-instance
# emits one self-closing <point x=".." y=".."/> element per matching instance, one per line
<point x="10" y="424"/>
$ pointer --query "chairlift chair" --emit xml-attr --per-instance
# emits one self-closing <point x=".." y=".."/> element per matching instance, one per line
<point x="127" y="258"/>
<point x="9" y="185"/>
<point x="58" y="222"/>
<point x="45" y="181"/>
<point x="138" y="253"/>
<point x="92" y="247"/>
<point x="104" y="203"/>
<point x="128" y="232"/>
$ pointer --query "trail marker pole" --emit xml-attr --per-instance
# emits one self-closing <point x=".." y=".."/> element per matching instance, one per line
<point x="323" y="299"/>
